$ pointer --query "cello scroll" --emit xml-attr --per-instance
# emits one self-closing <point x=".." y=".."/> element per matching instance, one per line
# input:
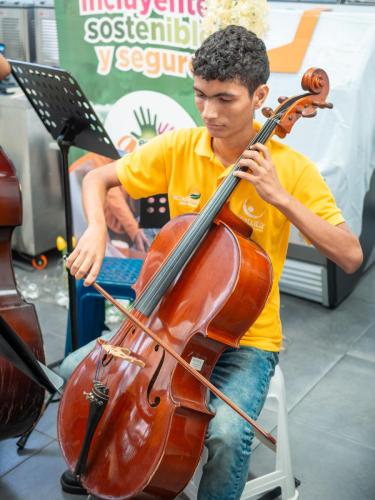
<point x="315" y="81"/>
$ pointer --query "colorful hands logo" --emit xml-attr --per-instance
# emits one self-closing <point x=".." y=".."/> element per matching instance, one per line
<point x="140" y="116"/>
<point x="148" y="129"/>
<point x="148" y="126"/>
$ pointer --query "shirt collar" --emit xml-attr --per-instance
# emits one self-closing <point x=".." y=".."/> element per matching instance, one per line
<point x="203" y="146"/>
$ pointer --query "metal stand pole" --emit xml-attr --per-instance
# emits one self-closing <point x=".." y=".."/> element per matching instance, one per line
<point x="64" y="148"/>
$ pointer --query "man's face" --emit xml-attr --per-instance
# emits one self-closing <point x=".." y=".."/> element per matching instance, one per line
<point x="226" y="107"/>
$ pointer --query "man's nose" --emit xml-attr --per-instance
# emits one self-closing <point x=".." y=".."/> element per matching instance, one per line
<point x="209" y="111"/>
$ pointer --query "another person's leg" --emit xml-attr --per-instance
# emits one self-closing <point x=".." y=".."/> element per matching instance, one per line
<point x="242" y="375"/>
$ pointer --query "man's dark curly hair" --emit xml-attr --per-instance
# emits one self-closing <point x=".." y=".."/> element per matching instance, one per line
<point x="233" y="53"/>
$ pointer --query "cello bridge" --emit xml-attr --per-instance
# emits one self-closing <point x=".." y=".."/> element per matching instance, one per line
<point x="121" y="352"/>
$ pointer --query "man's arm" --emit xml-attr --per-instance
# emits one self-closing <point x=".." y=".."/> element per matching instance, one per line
<point x="86" y="259"/>
<point x="337" y="243"/>
<point x="145" y="171"/>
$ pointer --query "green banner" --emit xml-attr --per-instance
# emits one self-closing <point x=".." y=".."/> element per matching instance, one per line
<point x="132" y="59"/>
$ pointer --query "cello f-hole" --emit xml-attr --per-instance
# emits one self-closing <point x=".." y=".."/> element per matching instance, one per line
<point x="107" y="358"/>
<point x="156" y="401"/>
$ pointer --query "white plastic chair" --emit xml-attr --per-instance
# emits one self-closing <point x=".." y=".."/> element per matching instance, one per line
<point x="282" y="476"/>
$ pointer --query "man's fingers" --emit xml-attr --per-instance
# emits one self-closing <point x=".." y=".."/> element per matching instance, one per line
<point x="93" y="274"/>
<point x="77" y="263"/>
<point x="85" y="267"/>
<point x="83" y="264"/>
<point x="72" y="257"/>
<point x="245" y="175"/>
<point x="261" y="148"/>
<point x="250" y="164"/>
<point x="255" y="156"/>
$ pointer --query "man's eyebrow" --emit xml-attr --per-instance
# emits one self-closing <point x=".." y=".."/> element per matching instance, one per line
<point x="220" y="94"/>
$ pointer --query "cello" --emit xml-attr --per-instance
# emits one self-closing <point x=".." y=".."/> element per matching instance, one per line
<point x="21" y="398"/>
<point x="133" y="418"/>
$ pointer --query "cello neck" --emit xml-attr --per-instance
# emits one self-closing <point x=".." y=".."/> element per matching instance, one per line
<point x="189" y="243"/>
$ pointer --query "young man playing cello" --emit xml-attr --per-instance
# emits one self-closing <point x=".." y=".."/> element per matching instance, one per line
<point x="279" y="187"/>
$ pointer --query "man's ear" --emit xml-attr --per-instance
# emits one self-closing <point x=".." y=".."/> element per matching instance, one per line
<point x="260" y="95"/>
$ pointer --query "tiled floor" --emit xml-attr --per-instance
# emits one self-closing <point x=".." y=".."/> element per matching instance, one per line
<point x="329" y="367"/>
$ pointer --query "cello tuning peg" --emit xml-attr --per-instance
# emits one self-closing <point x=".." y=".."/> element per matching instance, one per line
<point x="267" y="112"/>
<point x="282" y="99"/>
<point x="309" y="114"/>
<point x="322" y="105"/>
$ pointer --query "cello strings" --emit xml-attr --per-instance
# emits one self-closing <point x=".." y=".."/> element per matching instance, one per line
<point x="152" y="294"/>
<point x="181" y="254"/>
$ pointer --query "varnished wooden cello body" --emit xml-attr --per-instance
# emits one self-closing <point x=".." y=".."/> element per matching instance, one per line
<point x="21" y="399"/>
<point x="203" y="283"/>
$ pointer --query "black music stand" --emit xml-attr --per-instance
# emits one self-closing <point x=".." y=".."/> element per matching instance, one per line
<point x="69" y="117"/>
<point x="154" y="211"/>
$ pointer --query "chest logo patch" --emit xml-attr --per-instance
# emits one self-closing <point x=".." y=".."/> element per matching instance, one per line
<point x="251" y="217"/>
<point x="195" y="195"/>
<point x="191" y="201"/>
<point x="249" y="211"/>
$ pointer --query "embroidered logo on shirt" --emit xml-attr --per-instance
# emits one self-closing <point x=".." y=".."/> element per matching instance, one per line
<point x="192" y="200"/>
<point x="195" y="195"/>
<point x="249" y="211"/>
<point x="251" y="217"/>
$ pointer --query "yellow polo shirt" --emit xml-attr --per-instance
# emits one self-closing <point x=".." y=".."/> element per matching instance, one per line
<point x="182" y="164"/>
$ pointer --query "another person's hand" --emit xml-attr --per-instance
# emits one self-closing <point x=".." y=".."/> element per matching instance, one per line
<point x="4" y="67"/>
<point x="140" y="241"/>
<point x="86" y="259"/>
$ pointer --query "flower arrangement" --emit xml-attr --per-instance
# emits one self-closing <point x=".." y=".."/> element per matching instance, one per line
<point x="250" y="14"/>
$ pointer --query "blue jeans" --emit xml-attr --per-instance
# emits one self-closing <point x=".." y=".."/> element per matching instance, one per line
<point x="244" y="376"/>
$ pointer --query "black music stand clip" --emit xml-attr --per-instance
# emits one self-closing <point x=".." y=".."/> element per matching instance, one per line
<point x="69" y="117"/>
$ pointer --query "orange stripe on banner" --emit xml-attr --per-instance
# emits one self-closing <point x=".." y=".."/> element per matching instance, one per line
<point x="288" y="58"/>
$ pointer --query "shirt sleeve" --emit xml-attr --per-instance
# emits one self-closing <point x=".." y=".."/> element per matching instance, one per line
<point x="143" y="172"/>
<point x="312" y="190"/>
